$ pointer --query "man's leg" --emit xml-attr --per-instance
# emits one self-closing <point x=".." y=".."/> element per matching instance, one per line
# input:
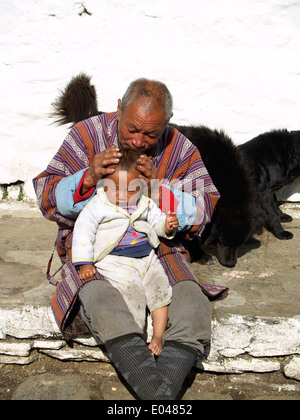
<point x="175" y="363"/>
<point x="189" y="317"/>
<point x="108" y="317"/>
<point x="132" y="358"/>
<point x="188" y="333"/>
<point x="188" y="336"/>
<point x="105" y="312"/>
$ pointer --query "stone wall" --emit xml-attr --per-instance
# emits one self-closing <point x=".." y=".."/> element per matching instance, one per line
<point x="239" y="344"/>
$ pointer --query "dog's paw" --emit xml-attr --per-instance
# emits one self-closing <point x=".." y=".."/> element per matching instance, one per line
<point x="207" y="259"/>
<point x="286" y="218"/>
<point x="285" y="235"/>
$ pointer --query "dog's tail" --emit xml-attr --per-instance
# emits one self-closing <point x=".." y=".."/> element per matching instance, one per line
<point x="76" y="102"/>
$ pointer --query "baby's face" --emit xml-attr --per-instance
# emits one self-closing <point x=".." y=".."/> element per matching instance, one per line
<point x="123" y="188"/>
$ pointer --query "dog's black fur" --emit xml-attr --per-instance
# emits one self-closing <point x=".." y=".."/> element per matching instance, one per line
<point x="236" y="217"/>
<point x="77" y="102"/>
<point x="274" y="158"/>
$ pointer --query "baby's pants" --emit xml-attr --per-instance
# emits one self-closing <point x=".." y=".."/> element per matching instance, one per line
<point x="142" y="283"/>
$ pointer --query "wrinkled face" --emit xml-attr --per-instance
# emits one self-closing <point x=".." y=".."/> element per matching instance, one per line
<point x="140" y="125"/>
<point x="123" y="188"/>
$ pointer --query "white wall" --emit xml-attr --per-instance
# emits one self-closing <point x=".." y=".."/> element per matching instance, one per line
<point x="230" y="64"/>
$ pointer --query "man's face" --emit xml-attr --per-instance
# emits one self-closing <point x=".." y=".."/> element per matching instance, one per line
<point x="140" y="126"/>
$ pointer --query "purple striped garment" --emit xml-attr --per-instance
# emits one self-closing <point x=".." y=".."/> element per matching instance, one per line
<point x="175" y="158"/>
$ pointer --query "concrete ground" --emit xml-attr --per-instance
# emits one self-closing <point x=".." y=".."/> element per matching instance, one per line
<point x="256" y="329"/>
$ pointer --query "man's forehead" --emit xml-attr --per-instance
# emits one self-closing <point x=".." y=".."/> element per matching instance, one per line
<point x="146" y="110"/>
<point x="144" y="129"/>
<point x="145" y="122"/>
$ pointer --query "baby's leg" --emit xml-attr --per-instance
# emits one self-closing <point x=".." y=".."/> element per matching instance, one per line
<point x="159" y="319"/>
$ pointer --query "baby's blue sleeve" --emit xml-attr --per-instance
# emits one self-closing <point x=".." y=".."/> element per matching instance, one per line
<point x="65" y="191"/>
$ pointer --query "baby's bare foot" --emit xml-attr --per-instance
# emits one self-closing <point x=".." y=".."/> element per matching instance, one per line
<point x="155" y="346"/>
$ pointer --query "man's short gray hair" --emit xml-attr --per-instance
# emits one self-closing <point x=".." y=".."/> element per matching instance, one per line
<point x="152" y="89"/>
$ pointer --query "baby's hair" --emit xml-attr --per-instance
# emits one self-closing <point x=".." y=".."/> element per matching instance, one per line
<point x="128" y="160"/>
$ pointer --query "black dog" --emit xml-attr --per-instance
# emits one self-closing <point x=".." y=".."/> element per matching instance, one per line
<point x="236" y="217"/>
<point x="274" y="158"/>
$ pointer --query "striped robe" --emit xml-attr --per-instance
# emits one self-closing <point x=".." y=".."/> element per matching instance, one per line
<point x="175" y="157"/>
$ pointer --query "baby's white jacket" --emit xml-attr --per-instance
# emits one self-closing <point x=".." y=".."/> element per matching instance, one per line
<point x="101" y="225"/>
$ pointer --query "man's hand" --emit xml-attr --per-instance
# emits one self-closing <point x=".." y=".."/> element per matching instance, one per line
<point x="147" y="168"/>
<point x="87" y="271"/>
<point x="149" y="173"/>
<point x="100" y="167"/>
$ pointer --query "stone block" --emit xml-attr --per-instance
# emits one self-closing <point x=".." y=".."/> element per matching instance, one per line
<point x="291" y="367"/>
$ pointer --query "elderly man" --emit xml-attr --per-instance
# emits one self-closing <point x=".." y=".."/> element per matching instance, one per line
<point x="86" y="156"/>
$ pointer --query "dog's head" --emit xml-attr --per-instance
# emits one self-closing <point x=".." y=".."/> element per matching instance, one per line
<point x="227" y="244"/>
<point x="229" y="234"/>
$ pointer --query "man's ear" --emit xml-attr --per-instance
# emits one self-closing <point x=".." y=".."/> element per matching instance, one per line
<point x="119" y="109"/>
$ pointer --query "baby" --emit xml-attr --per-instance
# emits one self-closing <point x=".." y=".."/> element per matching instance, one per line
<point x="116" y="233"/>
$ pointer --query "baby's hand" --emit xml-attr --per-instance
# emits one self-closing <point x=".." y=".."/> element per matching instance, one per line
<point x="171" y="222"/>
<point x="87" y="271"/>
